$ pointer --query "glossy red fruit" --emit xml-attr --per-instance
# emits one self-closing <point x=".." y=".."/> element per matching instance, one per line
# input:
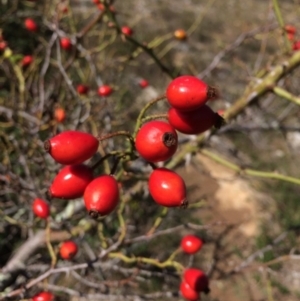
<point x="156" y="141"/>
<point x="43" y="296"/>
<point x="96" y="1"/>
<point x="71" y="147"/>
<point x="127" y="31"/>
<point x="296" y="46"/>
<point x="143" y="83"/>
<point x="167" y="188"/>
<point x="101" y="196"/>
<point x="82" y="89"/>
<point x="65" y="43"/>
<point x="105" y="90"/>
<point x="188" y="293"/>
<point x="30" y="24"/>
<point x="196" y="279"/>
<point x="196" y="121"/>
<point x="59" y="114"/>
<point x="71" y="182"/>
<point x="191" y="244"/>
<point x="187" y="93"/>
<point x="290" y="29"/>
<point x="40" y="208"/>
<point x="68" y="250"/>
<point x="27" y="60"/>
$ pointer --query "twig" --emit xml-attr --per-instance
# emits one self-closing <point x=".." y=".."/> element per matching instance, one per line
<point x="287" y="95"/>
<point x="248" y="171"/>
<point x="240" y="39"/>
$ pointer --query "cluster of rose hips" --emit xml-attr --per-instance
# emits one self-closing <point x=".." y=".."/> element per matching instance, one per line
<point x="291" y="32"/>
<point x="155" y="141"/>
<point x="72" y="148"/>
<point x="194" y="280"/>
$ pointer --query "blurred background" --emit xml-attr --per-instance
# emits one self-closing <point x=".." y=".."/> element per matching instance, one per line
<point x="250" y="223"/>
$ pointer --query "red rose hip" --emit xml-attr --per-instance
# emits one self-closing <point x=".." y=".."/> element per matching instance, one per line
<point x="101" y="196"/>
<point x="82" y="89"/>
<point x="40" y="208"/>
<point x="65" y="43"/>
<point x="196" y="121"/>
<point x="71" y="182"/>
<point x="188" y="293"/>
<point x="43" y="296"/>
<point x="191" y="244"/>
<point x="167" y="188"/>
<point x="196" y="279"/>
<point x="126" y="30"/>
<point x="156" y="141"/>
<point x="187" y="93"/>
<point x="296" y="46"/>
<point x="290" y="29"/>
<point x="59" y="114"/>
<point x="68" y="250"/>
<point x="27" y="60"/>
<point x="143" y="83"/>
<point x="30" y="24"/>
<point x="105" y="90"/>
<point x="71" y="147"/>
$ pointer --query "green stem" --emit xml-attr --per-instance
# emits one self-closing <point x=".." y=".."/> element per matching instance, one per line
<point x="143" y="111"/>
<point x="287" y="95"/>
<point x="119" y="133"/>
<point x="281" y="23"/>
<point x="168" y="263"/>
<point x="153" y="117"/>
<point x="248" y="171"/>
<point x="158" y="221"/>
<point x="140" y="45"/>
<point x="49" y="245"/>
